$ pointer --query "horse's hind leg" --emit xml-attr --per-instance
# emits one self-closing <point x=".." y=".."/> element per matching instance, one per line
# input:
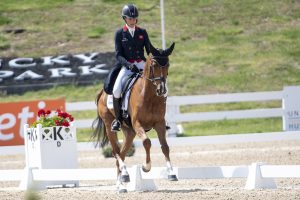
<point x="161" y="132"/>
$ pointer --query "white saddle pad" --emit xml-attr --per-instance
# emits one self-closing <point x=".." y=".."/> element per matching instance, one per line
<point x="109" y="102"/>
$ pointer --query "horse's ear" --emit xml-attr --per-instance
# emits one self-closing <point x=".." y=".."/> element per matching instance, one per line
<point x="153" y="50"/>
<point x="170" y="49"/>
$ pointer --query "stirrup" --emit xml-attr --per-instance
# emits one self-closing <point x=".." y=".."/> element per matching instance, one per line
<point x="115" y="126"/>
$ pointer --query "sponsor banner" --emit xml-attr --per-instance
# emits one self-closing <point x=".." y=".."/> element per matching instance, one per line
<point x="14" y="115"/>
<point x="18" y="75"/>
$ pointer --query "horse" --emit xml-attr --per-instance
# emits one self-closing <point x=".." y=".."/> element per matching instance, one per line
<point x="146" y="109"/>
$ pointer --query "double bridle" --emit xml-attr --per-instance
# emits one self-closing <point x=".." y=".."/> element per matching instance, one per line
<point x="154" y="62"/>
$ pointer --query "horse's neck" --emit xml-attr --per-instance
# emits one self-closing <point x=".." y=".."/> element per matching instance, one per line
<point x="144" y="94"/>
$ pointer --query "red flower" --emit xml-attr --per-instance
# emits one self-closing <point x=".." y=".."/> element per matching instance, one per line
<point x="44" y="113"/>
<point x="63" y="115"/>
<point x="71" y="118"/>
<point x="41" y="112"/>
<point x="65" y="123"/>
<point x="60" y="119"/>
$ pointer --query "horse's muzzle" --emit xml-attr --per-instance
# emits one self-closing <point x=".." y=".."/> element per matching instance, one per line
<point x="161" y="89"/>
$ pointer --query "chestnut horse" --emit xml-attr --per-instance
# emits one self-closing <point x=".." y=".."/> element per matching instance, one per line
<point x="147" y="108"/>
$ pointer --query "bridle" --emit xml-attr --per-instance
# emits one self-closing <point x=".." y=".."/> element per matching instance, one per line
<point x="154" y="62"/>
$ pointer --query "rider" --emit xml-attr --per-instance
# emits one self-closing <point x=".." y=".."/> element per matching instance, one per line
<point x="130" y="42"/>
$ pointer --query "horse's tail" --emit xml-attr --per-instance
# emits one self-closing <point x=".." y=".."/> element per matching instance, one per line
<point x="99" y="130"/>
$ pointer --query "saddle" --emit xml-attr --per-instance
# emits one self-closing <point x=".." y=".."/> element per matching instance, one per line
<point x="125" y="95"/>
<point x="126" y="91"/>
<point x="127" y="83"/>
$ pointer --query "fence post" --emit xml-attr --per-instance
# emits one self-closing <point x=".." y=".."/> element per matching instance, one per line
<point x="172" y="111"/>
<point x="291" y="107"/>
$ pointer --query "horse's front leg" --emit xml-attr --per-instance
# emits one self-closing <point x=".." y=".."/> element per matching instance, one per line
<point x="147" y="145"/>
<point x="161" y="133"/>
<point x="122" y="173"/>
<point x="129" y="135"/>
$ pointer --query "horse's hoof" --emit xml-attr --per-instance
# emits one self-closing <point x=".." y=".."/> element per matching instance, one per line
<point x="172" y="177"/>
<point x="125" y="178"/>
<point x="121" y="191"/>
<point x="145" y="170"/>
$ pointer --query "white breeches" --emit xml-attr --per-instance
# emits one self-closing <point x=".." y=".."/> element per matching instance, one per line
<point x="117" y="90"/>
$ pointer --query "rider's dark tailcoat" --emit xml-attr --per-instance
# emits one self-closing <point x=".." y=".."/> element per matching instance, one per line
<point x="128" y="49"/>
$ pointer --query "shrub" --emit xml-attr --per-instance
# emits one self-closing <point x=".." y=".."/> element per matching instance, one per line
<point x="107" y="151"/>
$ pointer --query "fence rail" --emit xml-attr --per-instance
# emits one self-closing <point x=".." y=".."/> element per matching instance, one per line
<point x="258" y="175"/>
<point x="174" y="115"/>
<point x="225" y="98"/>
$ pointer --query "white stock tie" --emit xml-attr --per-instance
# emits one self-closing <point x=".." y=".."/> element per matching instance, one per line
<point x="131" y="32"/>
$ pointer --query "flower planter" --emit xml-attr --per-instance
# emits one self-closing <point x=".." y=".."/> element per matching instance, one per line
<point x="51" y="148"/>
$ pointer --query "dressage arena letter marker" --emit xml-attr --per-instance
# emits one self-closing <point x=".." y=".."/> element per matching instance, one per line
<point x="57" y="133"/>
<point x="47" y="148"/>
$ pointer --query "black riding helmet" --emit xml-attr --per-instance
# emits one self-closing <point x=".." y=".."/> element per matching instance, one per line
<point x="130" y="11"/>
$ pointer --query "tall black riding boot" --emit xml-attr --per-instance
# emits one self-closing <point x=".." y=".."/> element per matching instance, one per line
<point x="116" y="124"/>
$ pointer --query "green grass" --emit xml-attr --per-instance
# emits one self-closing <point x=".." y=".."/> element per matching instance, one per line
<point x="4" y="20"/>
<point x="23" y="5"/>
<point x="230" y="106"/>
<point x="221" y="47"/>
<point x="84" y="135"/>
<point x="232" y="127"/>
<point x="4" y="43"/>
<point x="96" y="32"/>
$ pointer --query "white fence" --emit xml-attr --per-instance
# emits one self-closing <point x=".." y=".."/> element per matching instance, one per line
<point x="258" y="175"/>
<point x="174" y="104"/>
<point x="289" y="111"/>
<point x="174" y="115"/>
